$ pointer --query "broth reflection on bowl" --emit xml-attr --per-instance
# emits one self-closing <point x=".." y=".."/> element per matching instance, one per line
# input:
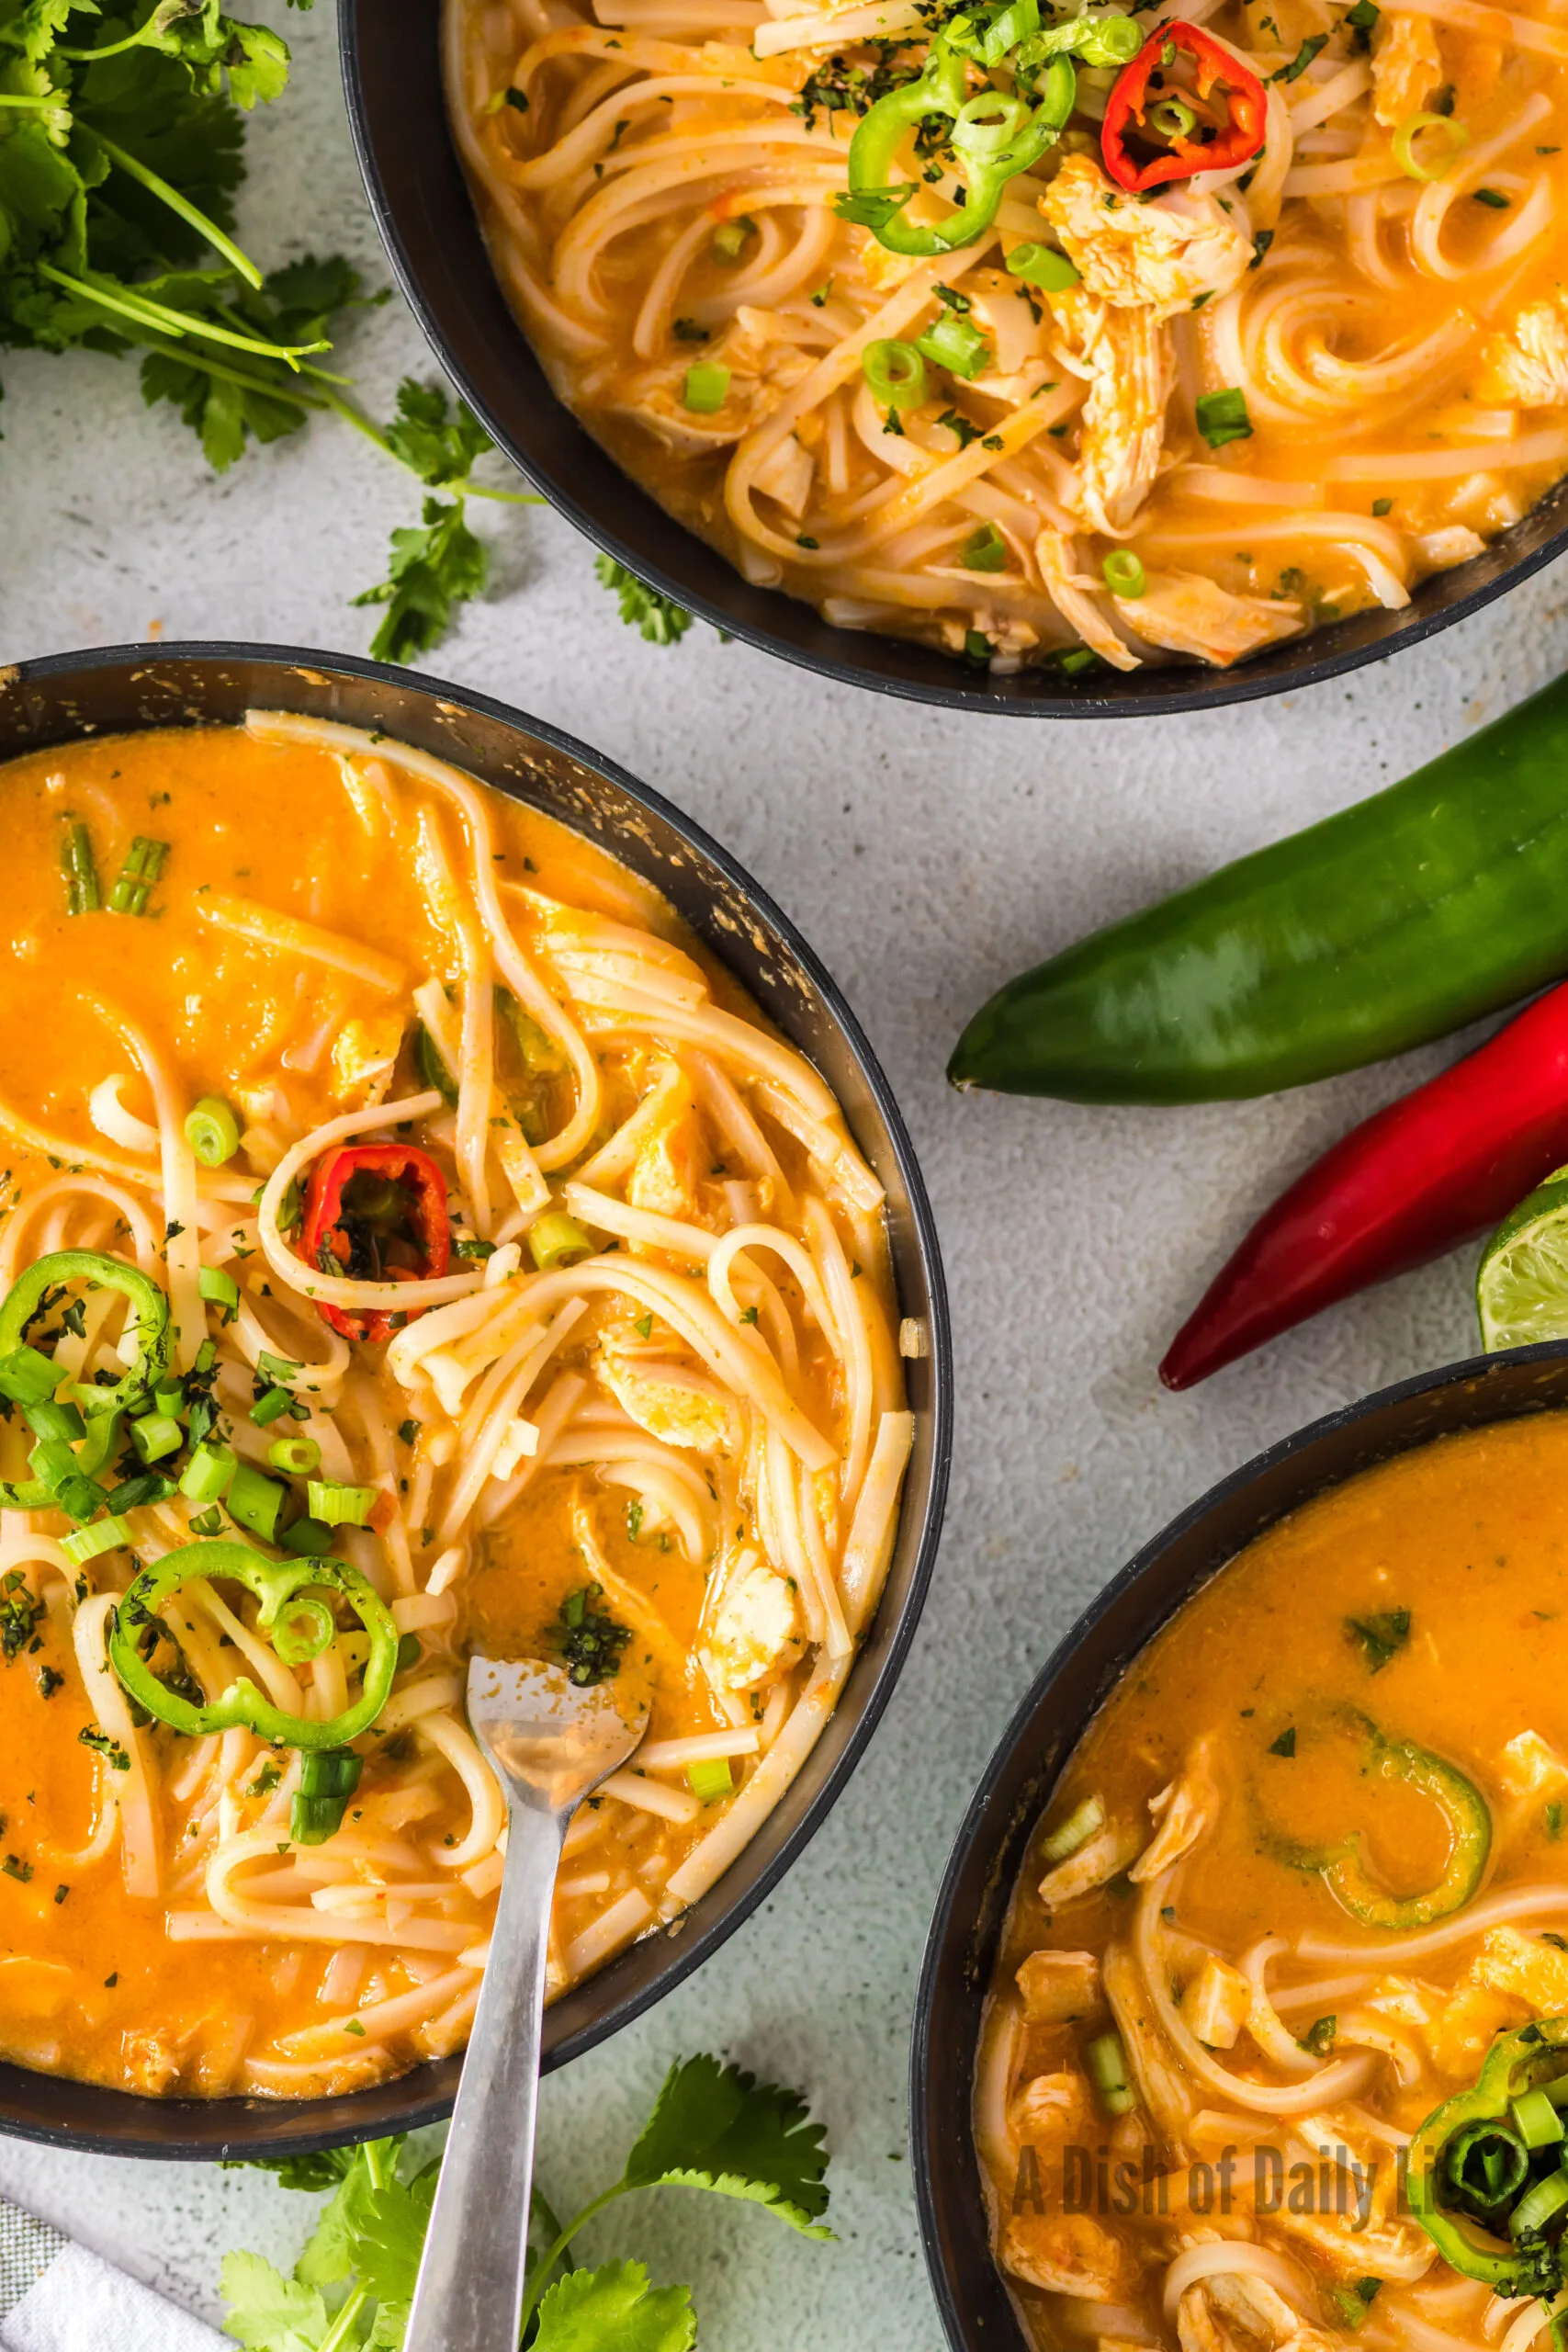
<point x="1305" y="1866"/>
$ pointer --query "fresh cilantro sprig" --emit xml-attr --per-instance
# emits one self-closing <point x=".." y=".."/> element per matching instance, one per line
<point x="713" y="2127"/>
<point x="658" y="619"/>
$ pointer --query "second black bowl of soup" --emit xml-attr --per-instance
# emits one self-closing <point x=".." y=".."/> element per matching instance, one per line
<point x="305" y="904"/>
<point x="1294" y="1787"/>
<point x="395" y="74"/>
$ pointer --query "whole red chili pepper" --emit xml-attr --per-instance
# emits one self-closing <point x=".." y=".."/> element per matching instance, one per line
<point x="372" y="1234"/>
<point x="1437" y="1168"/>
<point x="1246" y="103"/>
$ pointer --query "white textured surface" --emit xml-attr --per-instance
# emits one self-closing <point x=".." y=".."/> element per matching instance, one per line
<point x="928" y="858"/>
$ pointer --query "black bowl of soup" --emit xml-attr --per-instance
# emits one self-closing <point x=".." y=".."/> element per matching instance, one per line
<point x="1342" y="1663"/>
<point x="426" y="209"/>
<point x="245" y="905"/>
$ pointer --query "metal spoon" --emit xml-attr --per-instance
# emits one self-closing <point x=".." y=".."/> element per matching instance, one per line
<point x="551" y="1744"/>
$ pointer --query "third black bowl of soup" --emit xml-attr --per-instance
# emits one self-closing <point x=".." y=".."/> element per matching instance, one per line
<point x="1272" y="1863"/>
<point x="1128" y="448"/>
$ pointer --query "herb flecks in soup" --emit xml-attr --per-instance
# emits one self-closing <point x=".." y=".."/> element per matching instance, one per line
<point x="1044" y="334"/>
<point x="1304" y="1878"/>
<point x="411" y="1241"/>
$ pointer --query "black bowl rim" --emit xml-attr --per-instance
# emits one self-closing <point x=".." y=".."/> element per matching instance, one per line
<point x="688" y="1952"/>
<point x="945" y="2288"/>
<point x="1207" y="689"/>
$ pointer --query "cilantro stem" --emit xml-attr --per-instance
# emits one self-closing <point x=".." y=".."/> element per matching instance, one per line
<point x="337" y="2335"/>
<point x="56" y="98"/>
<point x="227" y="374"/>
<point x="125" y="303"/>
<point x="464" y="489"/>
<point x="539" y="2276"/>
<point x="184" y="207"/>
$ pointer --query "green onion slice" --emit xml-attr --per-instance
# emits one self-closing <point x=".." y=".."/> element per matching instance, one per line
<point x="710" y="1778"/>
<point x="556" y="1240"/>
<point x="86" y="1543"/>
<point x="706" y="388"/>
<point x="1043" y="266"/>
<point x="212" y="1131"/>
<point x="340" y="1506"/>
<point x="1454" y="136"/>
<point x="895" y="373"/>
<point x="1077" y="1830"/>
<point x="1124" y="575"/>
<point x="296" y="1457"/>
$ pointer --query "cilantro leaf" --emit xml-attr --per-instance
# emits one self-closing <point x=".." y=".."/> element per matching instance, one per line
<point x="430" y="571"/>
<point x="660" y="621"/>
<point x="322" y="2168"/>
<point x="421" y="437"/>
<point x="268" y="2313"/>
<point x="1380" y="1637"/>
<point x="591" y="2310"/>
<point x="715" y="2127"/>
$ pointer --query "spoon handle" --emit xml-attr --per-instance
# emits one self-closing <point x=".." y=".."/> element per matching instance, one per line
<point x="469" y="2295"/>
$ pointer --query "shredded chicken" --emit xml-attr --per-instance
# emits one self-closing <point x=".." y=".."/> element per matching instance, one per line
<point x="1187" y="614"/>
<point x="1215" y="2005"/>
<point x="1454" y="544"/>
<point x="1162" y="255"/>
<point x="670" y="1156"/>
<point x="1528" y="366"/>
<point x="364" y="1054"/>
<point x="1073" y="593"/>
<point x="671" y="1401"/>
<point x="1153" y="2065"/>
<point x="1058" y="1986"/>
<point x="1408" y="68"/>
<point x="1532" y="1767"/>
<point x="756" y="1631"/>
<point x="1125" y="355"/>
<point x="1067" y="2253"/>
<point x="1184" y="1810"/>
<point x="1048" y="2105"/>
<point x="1096" y="1861"/>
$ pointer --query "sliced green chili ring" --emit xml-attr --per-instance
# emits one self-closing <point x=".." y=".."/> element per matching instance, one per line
<point x="1440" y="2168"/>
<point x="430" y="1064"/>
<point x="155" y="1336"/>
<point x="1470" y="1831"/>
<point x="276" y="1583"/>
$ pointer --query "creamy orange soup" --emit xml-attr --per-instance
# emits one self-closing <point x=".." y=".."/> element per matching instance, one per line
<point x="645" y="1418"/>
<point x="1183" y="422"/>
<point x="1306" y="1864"/>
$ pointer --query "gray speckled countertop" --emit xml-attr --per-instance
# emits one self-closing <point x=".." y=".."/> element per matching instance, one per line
<point x="927" y="857"/>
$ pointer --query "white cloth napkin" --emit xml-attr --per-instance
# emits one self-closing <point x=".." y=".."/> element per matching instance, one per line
<point x="57" y="2296"/>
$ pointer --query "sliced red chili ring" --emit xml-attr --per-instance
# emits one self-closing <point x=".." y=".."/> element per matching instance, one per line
<point x="1221" y="81"/>
<point x="376" y="1213"/>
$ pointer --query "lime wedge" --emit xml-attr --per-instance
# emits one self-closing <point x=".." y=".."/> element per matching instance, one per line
<point x="1521" y="1284"/>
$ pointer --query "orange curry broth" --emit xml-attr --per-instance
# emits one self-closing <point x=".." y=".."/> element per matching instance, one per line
<point x="87" y="1974"/>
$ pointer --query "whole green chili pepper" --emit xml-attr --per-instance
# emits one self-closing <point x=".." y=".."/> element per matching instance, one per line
<point x="993" y="136"/>
<point x="300" y="1624"/>
<point x="1432" y="903"/>
<point x="1459" y="2161"/>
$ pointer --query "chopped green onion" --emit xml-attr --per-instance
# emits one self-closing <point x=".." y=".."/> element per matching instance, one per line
<point x="170" y="1399"/>
<point x="80" y="875"/>
<point x="79" y="1496"/>
<point x="1171" y="118"/>
<point x="1536" y="2119"/>
<point x="212" y="1131"/>
<point x="955" y="343"/>
<point x="1077" y="1830"/>
<point x="28" y="1377"/>
<point x="340" y="1506"/>
<point x="208" y="1473"/>
<point x="729" y="237"/>
<point x="555" y="1239"/>
<point x="1490" y="196"/>
<point x="296" y="1455"/>
<point x="895" y="373"/>
<point x="1124" y="575"/>
<point x="984" y="551"/>
<point x="208" y="1523"/>
<point x="219" y="1289"/>
<point x="410" y="1649"/>
<point x="1018" y="22"/>
<point x="710" y="1778"/>
<point x="271" y="1405"/>
<point x="61" y="1422"/>
<point x="88" y="1542"/>
<point x="1539" y="2205"/>
<point x="156" y="1434"/>
<point x="706" y="388"/>
<point x="308" y="1539"/>
<point x="328" y="1778"/>
<point x="52" y="1461"/>
<point x="1043" y="266"/>
<point x="143" y="864"/>
<point x="1107" y="2064"/>
<point x="542" y="1057"/>
<point x="1454" y="136"/>
<point x="255" y="1501"/>
<point x="1222" y="416"/>
<point x="430" y="1066"/>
